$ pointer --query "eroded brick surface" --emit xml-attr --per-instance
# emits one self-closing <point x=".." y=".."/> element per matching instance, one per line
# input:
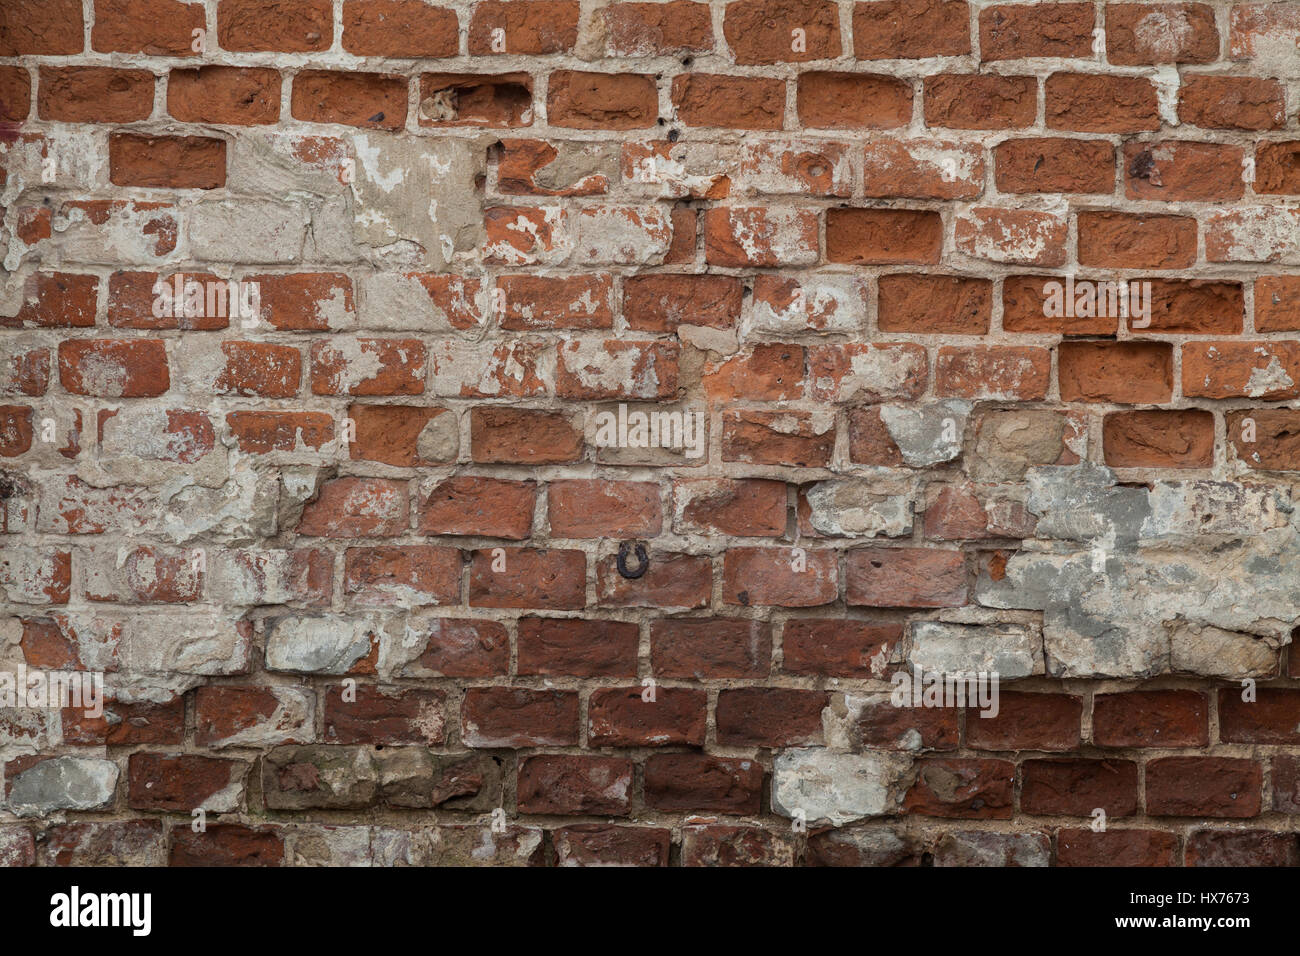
<point x="532" y="432"/>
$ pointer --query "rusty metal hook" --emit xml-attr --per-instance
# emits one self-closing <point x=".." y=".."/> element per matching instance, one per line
<point x="642" y="560"/>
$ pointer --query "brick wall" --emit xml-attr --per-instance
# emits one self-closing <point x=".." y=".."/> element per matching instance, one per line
<point x="371" y="556"/>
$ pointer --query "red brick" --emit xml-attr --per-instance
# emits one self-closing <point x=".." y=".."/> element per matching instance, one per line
<point x="1019" y="31"/>
<point x="527" y="165"/>
<point x="758" y="236"/>
<point x="762" y="31"/>
<point x="523" y="436"/>
<point x="518" y="717"/>
<point x="1226" y="848"/>
<point x="924" y="169"/>
<point x="934" y="304"/>
<point x="1136" y="241"/>
<point x="601" y="100"/>
<point x="1271" y="718"/>
<point x="1100" y="104"/>
<point x="1277" y="168"/>
<point x="1054" y="165"/>
<point x="744" y="507"/>
<point x="837" y="648"/>
<point x="16" y="431"/>
<point x="1286" y="783"/>
<point x="622" y="717"/>
<point x="305" y="301"/>
<point x="697" y="648"/>
<point x="592" y="844"/>
<point x="593" y="508"/>
<point x="282" y="26"/>
<point x="1027" y="722"/>
<point x="709" y="845"/>
<point x="229" y="95"/>
<point x="15" y="95"/>
<point x="179" y="782"/>
<point x="114" y="368"/>
<point x="167" y="162"/>
<point x="1086" y="847"/>
<point x="1160" y="438"/>
<point x="882" y="726"/>
<point x="992" y="372"/>
<point x="255" y="368"/>
<point x="134" y="724"/>
<point x="771" y="373"/>
<point x="1237" y="370"/>
<point x="980" y="101"/>
<point x="221" y="713"/>
<point x="451" y="99"/>
<point x="701" y="782"/>
<point x="1232" y="102"/>
<point x="227" y="844"/>
<point x="910" y="29"/>
<point x="1139" y="34"/>
<point x="461" y="647"/>
<point x="368" y="100"/>
<point x="41" y="28"/>
<point x="570" y="647"/>
<point x="153" y="27"/>
<point x="656" y="29"/>
<point x="543" y="302"/>
<point x="730" y="102"/>
<point x="671" y="581"/>
<point x="57" y="300"/>
<point x="356" y="507"/>
<point x="1156" y="718"/>
<point x="1203" y="787"/>
<point x="399" y="28"/>
<point x="384" y="715"/>
<point x="1121" y="372"/>
<point x="131" y="298"/>
<point x="575" y="785"/>
<point x="532" y="28"/>
<point x="407" y="574"/>
<point x="93" y="94"/>
<point x="531" y="578"/>
<point x="1173" y="171"/>
<point x="783" y="577"/>
<point x="1196" y="306"/>
<point x="662" y="302"/>
<point x="883" y="236"/>
<point x="962" y="788"/>
<point x="392" y="367"/>
<point x="905" y="577"/>
<point x="1077" y="787"/>
<point x="769" y="717"/>
<point x="473" y="505"/>
<point x="777" y="438"/>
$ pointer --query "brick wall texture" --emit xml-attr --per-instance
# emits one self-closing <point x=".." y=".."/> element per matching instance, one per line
<point x="373" y="555"/>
